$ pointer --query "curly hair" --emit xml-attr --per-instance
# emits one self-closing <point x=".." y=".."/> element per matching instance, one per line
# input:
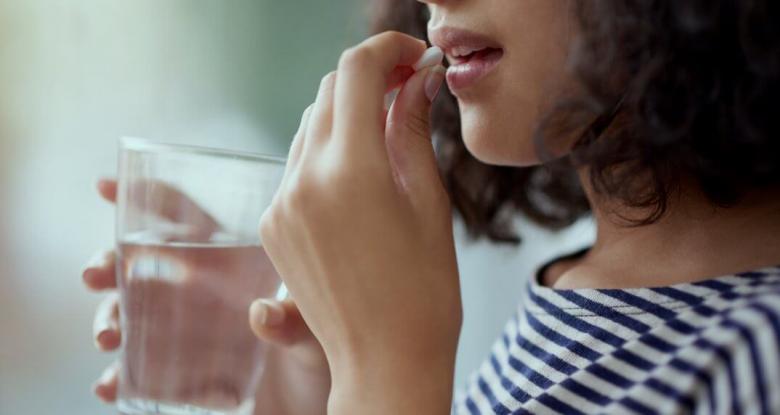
<point x="674" y="90"/>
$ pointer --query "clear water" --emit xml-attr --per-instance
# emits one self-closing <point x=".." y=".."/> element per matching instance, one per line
<point x="144" y="407"/>
<point x="187" y="345"/>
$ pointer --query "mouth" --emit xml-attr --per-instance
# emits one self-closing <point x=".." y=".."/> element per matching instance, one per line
<point x="471" y="56"/>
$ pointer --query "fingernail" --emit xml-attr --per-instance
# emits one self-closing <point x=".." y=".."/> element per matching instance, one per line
<point x="86" y="275"/>
<point x="102" y="387"/>
<point x="106" y="339"/>
<point x="433" y="81"/>
<point x="102" y="336"/>
<point x="97" y="389"/>
<point x="269" y="312"/>
<point x="99" y="260"/>
<point x="431" y="56"/>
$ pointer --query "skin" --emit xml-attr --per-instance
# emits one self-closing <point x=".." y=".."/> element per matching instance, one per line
<point x="295" y="357"/>
<point x="499" y="114"/>
<point x="353" y="163"/>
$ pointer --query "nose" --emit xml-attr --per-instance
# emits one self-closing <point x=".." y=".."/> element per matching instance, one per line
<point x="434" y="12"/>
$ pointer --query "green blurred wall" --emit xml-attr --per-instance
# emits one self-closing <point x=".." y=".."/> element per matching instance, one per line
<point x="139" y="66"/>
<point x="278" y="75"/>
<point x="75" y="75"/>
<point x="279" y="50"/>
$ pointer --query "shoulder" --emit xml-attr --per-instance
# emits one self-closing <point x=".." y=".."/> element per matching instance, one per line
<point x="745" y="347"/>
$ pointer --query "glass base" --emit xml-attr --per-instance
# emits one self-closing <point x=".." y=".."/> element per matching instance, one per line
<point x="149" y="407"/>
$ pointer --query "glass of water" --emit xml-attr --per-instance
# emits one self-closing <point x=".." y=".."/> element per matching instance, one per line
<point x="190" y="262"/>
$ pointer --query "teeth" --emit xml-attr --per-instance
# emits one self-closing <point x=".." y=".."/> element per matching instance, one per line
<point x="460" y="51"/>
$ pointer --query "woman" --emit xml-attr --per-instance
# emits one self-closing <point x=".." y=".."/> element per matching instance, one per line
<point x="662" y="110"/>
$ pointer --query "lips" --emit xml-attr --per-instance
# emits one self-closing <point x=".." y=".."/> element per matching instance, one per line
<point x="472" y="56"/>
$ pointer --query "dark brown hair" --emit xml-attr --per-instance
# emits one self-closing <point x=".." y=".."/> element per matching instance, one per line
<point x="674" y="90"/>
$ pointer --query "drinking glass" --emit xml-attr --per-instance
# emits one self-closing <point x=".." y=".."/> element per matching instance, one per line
<point x="189" y="263"/>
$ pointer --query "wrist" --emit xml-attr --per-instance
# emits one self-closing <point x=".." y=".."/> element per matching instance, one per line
<point x="407" y="384"/>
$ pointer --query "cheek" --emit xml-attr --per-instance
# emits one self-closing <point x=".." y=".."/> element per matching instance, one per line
<point x="500" y="115"/>
<point x="496" y="134"/>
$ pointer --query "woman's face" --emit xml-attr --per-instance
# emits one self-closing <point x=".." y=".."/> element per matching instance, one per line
<point x="507" y="67"/>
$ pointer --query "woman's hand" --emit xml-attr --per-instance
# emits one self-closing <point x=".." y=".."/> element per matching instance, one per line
<point x="296" y="379"/>
<point x="361" y="233"/>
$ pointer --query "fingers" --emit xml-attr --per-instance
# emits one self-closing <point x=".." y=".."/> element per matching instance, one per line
<point x="398" y="76"/>
<point x="363" y="75"/>
<point x="164" y="200"/>
<point x="297" y="143"/>
<point x="396" y="79"/>
<point x="322" y="114"/>
<point x="107" y="189"/>
<point x="106" y="386"/>
<point x="410" y="114"/>
<point x="279" y="322"/>
<point x="105" y="327"/>
<point x="408" y="136"/>
<point x="168" y="202"/>
<point x="100" y="272"/>
<point x="315" y="126"/>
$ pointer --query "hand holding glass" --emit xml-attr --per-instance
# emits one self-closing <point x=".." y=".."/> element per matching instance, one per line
<point x="190" y="262"/>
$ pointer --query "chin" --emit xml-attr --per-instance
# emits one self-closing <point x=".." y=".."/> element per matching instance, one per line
<point x="499" y="141"/>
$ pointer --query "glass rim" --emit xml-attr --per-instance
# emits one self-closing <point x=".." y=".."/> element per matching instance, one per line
<point x="147" y="145"/>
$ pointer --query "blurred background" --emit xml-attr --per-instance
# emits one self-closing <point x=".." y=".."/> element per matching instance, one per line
<point x="77" y="74"/>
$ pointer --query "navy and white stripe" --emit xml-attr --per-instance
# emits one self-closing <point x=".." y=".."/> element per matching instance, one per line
<point x="711" y="347"/>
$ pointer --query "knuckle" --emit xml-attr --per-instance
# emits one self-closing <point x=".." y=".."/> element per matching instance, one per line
<point x="356" y="57"/>
<point x="307" y="111"/>
<point x="267" y="222"/>
<point x="328" y="80"/>
<point x="299" y="198"/>
<point x="392" y="36"/>
<point x="326" y="85"/>
<point x="305" y="119"/>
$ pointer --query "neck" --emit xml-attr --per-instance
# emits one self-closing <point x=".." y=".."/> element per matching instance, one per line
<point x="693" y="241"/>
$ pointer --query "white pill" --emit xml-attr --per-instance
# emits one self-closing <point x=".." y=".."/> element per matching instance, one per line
<point x="432" y="56"/>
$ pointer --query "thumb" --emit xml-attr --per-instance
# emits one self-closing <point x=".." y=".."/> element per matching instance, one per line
<point x="408" y="132"/>
<point x="107" y="189"/>
<point x="279" y="322"/>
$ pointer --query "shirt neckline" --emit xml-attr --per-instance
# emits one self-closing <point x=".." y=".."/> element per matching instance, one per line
<point x="674" y="297"/>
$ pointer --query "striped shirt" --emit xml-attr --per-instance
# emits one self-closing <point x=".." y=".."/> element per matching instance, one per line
<point x="710" y="347"/>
